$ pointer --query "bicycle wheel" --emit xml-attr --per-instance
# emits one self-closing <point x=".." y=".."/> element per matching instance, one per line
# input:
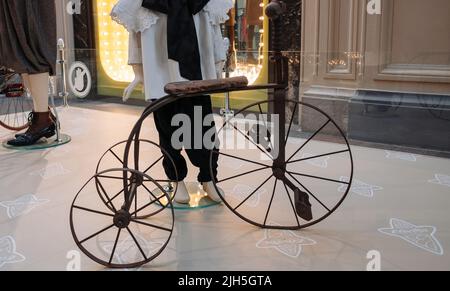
<point x="120" y="237"/>
<point x="316" y="168"/>
<point x="15" y="107"/>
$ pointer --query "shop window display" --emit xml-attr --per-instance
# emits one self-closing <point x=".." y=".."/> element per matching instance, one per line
<point x="363" y="92"/>
<point x="245" y="31"/>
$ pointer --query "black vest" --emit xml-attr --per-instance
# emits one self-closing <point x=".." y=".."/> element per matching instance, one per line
<point x="182" y="41"/>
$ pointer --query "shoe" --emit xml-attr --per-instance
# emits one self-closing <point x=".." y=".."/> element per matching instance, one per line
<point x="302" y="205"/>
<point x="210" y="189"/>
<point x="51" y="115"/>
<point x="40" y="125"/>
<point x="182" y="196"/>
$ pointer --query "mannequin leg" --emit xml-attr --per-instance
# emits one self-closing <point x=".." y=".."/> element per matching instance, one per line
<point x="163" y="118"/>
<point x="200" y="157"/>
<point x="39" y="91"/>
<point x="26" y="81"/>
<point x="42" y="123"/>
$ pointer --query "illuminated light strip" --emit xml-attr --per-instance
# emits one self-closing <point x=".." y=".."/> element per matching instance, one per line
<point x="112" y="44"/>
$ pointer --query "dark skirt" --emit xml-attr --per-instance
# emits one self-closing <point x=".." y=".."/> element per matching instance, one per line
<point x="28" y="36"/>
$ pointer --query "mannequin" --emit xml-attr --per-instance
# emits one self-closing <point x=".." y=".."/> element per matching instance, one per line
<point x="28" y="46"/>
<point x="162" y="51"/>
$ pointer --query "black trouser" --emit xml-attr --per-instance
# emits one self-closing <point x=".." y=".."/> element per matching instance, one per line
<point x="199" y="157"/>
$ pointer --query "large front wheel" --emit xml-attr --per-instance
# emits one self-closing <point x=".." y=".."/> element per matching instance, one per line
<point x="315" y="168"/>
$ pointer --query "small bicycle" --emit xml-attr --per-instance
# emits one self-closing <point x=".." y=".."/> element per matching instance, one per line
<point x="15" y="104"/>
<point x="297" y="180"/>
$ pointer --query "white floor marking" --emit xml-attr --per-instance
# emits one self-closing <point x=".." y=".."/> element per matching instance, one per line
<point x="242" y="191"/>
<point x="419" y="236"/>
<point x="8" y="253"/>
<point x="441" y="179"/>
<point x="22" y="205"/>
<point x="401" y="156"/>
<point x="285" y="241"/>
<point x="51" y="171"/>
<point x="359" y="188"/>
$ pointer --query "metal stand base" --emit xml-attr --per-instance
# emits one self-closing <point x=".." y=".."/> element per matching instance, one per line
<point x="199" y="198"/>
<point x="42" y="144"/>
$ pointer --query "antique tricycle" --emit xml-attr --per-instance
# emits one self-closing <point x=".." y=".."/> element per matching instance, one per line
<point x="123" y="217"/>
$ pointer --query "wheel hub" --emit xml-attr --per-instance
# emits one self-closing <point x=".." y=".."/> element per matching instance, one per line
<point x="137" y="179"/>
<point x="122" y="219"/>
<point x="279" y="173"/>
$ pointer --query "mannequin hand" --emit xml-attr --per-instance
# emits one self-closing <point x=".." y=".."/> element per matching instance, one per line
<point x="129" y="90"/>
<point x="138" y="79"/>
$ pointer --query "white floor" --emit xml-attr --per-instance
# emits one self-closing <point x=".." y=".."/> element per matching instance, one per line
<point x="397" y="210"/>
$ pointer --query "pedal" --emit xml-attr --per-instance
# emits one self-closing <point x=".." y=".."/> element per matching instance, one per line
<point x="302" y="205"/>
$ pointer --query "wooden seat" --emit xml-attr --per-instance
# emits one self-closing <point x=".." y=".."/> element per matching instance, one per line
<point x="199" y="87"/>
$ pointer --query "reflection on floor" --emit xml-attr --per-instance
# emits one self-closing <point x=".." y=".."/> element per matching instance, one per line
<point x="397" y="208"/>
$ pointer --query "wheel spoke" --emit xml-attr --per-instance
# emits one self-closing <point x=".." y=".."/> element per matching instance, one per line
<point x="15" y="113"/>
<point x="137" y="244"/>
<point x="147" y="205"/>
<point x="116" y="156"/>
<point x="250" y="140"/>
<point x="112" y="177"/>
<point x="290" y="123"/>
<point x="239" y="158"/>
<point x="271" y="200"/>
<point x="117" y="195"/>
<point x="97" y="233"/>
<point x="243" y="174"/>
<point x="7" y="111"/>
<point x="310" y="193"/>
<point x="248" y="197"/>
<point x="152" y="225"/>
<point x="319" y="156"/>
<point x="115" y="246"/>
<point x="92" y="211"/>
<point x="292" y="205"/>
<point x="319" y="178"/>
<point x="4" y="114"/>
<point x="150" y="192"/>
<point x="309" y="139"/>
<point x="152" y="165"/>
<point x="106" y="194"/>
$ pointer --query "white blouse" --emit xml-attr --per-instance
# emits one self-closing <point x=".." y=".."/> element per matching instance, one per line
<point x="148" y="42"/>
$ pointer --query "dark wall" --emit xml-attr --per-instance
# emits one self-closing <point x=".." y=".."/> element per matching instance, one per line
<point x="84" y="40"/>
